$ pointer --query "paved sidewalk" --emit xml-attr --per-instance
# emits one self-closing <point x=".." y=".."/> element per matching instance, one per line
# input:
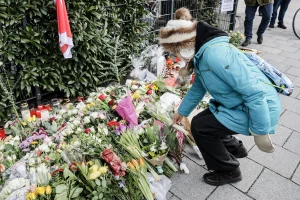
<point x="265" y="176"/>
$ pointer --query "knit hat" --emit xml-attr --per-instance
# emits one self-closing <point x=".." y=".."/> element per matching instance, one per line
<point x="178" y="35"/>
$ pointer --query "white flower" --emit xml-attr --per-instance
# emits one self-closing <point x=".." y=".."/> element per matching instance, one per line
<point x="163" y="146"/>
<point x="58" y="116"/>
<point x="47" y="140"/>
<point x="79" y="130"/>
<point x="44" y="148"/>
<point x="68" y="131"/>
<point x="1" y="147"/>
<point x="92" y="129"/>
<point x="31" y="161"/>
<point x="76" y="122"/>
<point x="9" y="159"/>
<point x="69" y="106"/>
<point x="86" y="120"/>
<point x="153" y="148"/>
<point x="93" y="94"/>
<point x="102" y="129"/>
<point x="94" y="115"/>
<point x="70" y="113"/>
<point x="62" y="111"/>
<point x="102" y="116"/>
<point x="89" y="100"/>
<point x="76" y="144"/>
<point x="184" y="168"/>
<point x="63" y="133"/>
<point x="14" y="157"/>
<point x="135" y="87"/>
<point x="75" y="111"/>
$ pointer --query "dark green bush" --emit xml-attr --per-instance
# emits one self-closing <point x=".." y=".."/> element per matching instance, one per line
<point x="104" y="35"/>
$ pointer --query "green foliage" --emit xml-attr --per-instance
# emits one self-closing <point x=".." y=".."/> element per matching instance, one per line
<point x="105" y="34"/>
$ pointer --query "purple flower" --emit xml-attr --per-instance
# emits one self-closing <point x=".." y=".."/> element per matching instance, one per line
<point x="120" y="129"/>
<point x="26" y="150"/>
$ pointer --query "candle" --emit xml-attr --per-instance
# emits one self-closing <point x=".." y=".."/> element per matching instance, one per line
<point x="2" y="133"/>
<point x="25" y="111"/>
<point x="32" y="112"/>
<point x="38" y="113"/>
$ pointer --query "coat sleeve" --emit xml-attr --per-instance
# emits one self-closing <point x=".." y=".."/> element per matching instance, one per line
<point x="192" y="98"/>
<point x="229" y="65"/>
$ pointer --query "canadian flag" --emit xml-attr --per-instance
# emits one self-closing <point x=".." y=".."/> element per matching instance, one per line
<point x="64" y="30"/>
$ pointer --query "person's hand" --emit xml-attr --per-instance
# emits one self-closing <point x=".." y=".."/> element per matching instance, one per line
<point x="177" y="118"/>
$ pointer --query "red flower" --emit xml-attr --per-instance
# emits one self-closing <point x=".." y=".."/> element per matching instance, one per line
<point x="73" y="166"/>
<point x="177" y="59"/>
<point x="149" y="92"/>
<point x="87" y="130"/>
<point x="38" y="152"/>
<point x="113" y="123"/>
<point x="47" y="159"/>
<point x="111" y="102"/>
<point x="102" y="97"/>
<point x="52" y="119"/>
<point x="114" y="161"/>
<point x="169" y="62"/>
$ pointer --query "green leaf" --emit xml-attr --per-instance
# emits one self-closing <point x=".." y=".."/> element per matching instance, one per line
<point x="98" y="182"/>
<point x="76" y="192"/>
<point x="60" y="188"/>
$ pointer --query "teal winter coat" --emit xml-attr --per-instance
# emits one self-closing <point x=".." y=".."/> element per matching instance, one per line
<point x="242" y="96"/>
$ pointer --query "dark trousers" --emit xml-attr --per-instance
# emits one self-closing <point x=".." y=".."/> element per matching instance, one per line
<point x="266" y="12"/>
<point x="284" y="4"/>
<point x="215" y="142"/>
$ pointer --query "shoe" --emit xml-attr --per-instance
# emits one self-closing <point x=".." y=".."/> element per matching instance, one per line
<point x="240" y="152"/>
<point x="282" y="26"/>
<point x="246" y="43"/>
<point x="218" y="178"/>
<point x="271" y="26"/>
<point x="260" y="39"/>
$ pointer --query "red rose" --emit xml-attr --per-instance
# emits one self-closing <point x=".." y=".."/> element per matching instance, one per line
<point x="114" y="162"/>
<point x="111" y="102"/>
<point x="102" y="97"/>
<point x="149" y="92"/>
<point x="87" y="130"/>
<point x="113" y="123"/>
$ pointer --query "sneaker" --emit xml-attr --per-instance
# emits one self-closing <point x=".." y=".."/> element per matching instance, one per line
<point x="218" y="178"/>
<point x="282" y="26"/>
<point x="246" y="43"/>
<point x="271" y="26"/>
<point x="240" y="152"/>
<point x="260" y="39"/>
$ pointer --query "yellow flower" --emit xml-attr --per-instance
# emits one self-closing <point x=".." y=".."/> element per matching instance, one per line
<point x="102" y="170"/>
<point x="33" y="118"/>
<point x="93" y="168"/>
<point x="90" y="163"/>
<point x="31" y="196"/>
<point x="48" y="189"/>
<point x="24" y="123"/>
<point x="154" y="87"/>
<point x="94" y="175"/>
<point x="92" y="104"/>
<point x="243" y="36"/>
<point x="230" y="31"/>
<point x="29" y="119"/>
<point x="141" y="161"/>
<point x="40" y="190"/>
<point x="33" y="142"/>
<point x="88" y="106"/>
<point x="136" y="95"/>
<point x="136" y="164"/>
<point x="114" y="107"/>
<point x="130" y="166"/>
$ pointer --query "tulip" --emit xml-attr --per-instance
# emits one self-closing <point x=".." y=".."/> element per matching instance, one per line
<point x="103" y="170"/>
<point x="48" y="189"/>
<point x="130" y="165"/>
<point x="40" y="190"/>
<point x="31" y="196"/>
<point x="93" y="168"/>
<point x="94" y="175"/>
<point x="141" y="161"/>
<point x="135" y="163"/>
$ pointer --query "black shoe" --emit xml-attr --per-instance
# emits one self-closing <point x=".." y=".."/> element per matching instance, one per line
<point x="246" y="43"/>
<point x="271" y="26"/>
<point x="219" y="178"/>
<point x="282" y="26"/>
<point x="240" y="152"/>
<point x="260" y="39"/>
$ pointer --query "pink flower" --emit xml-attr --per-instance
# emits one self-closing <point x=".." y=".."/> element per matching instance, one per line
<point x="102" y="97"/>
<point x="2" y="168"/>
<point x="87" y="130"/>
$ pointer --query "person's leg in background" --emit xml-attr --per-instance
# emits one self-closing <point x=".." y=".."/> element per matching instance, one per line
<point x="248" y="24"/>
<point x="274" y="14"/>
<point x="208" y="133"/>
<point x="265" y="20"/>
<point x="283" y="8"/>
<point x="259" y="12"/>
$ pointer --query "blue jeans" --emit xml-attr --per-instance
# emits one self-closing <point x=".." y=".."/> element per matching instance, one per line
<point x="284" y="4"/>
<point x="266" y="12"/>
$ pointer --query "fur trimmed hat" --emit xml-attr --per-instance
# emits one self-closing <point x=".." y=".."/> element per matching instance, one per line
<point x="177" y="35"/>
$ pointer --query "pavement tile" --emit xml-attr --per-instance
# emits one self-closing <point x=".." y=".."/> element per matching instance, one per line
<point x="281" y="135"/>
<point x="274" y="57"/>
<point x="294" y="71"/>
<point x="286" y="43"/>
<point x="290" y="120"/>
<point x="293" y="142"/>
<point x="280" y="66"/>
<point x="284" y="38"/>
<point x="248" y="141"/>
<point x="270" y="50"/>
<point x="296" y="92"/>
<point x="271" y="186"/>
<point x="296" y="81"/>
<point x="190" y="186"/>
<point x="296" y="45"/>
<point x="295" y="55"/>
<point x="227" y="192"/>
<point x="292" y="62"/>
<point x="174" y="198"/>
<point x="191" y="154"/>
<point x="250" y="171"/>
<point x="296" y="176"/>
<point x="288" y="160"/>
<point x="169" y="195"/>
<point x="287" y="48"/>
<point x="290" y="104"/>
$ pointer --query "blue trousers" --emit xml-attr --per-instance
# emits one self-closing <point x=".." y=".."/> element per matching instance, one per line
<point x="266" y="12"/>
<point x="284" y="4"/>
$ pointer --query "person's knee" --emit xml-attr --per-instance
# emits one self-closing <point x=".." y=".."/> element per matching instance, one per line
<point x="196" y="127"/>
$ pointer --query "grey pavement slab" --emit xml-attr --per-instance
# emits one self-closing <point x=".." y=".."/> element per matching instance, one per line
<point x="296" y="176"/>
<point x="227" y="192"/>
<point x="169" y="195"/>
<point x="280" y="66"/>
<point x="287" y="48"/>
<point x="271" y="50"/>
<point x="284" y="42"/>
<point x="296" y="91"/>
<point x="294" y="71"/>
<point x="281" y="135"/>
<point x="174" y="198"/>
<point x="248" y="141"/>
<point x="293" y="62"/>
<point x="281" y="160"/>
<point x="293" y="142"/>
<point x="190" y="186"/>
<point x="290" y="104"/>
<point x="295" y="55"/>
<point x="296" y="81"/>
<point x="191" y="154"/>
<point x="271" y="186"/>
<point x="250" y="171"/>
<point x="274" y="57"/>
<point x="290" y="120"/>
